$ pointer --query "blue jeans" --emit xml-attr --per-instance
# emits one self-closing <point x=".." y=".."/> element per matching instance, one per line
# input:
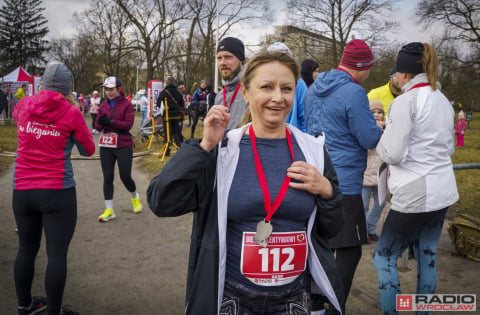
<point x="144" y="116"/>
<point x="374" y="213"/>
<point x="398" y="231"/>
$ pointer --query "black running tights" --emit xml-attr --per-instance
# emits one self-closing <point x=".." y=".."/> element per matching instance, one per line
<point x="54" y="211"/>
<point x="124" y="157"/>
<point x="195" y="114"/>
<point x="347" y="260"/>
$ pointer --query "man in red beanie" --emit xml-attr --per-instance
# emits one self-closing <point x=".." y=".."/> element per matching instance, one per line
<point x="230" y="57"/>
<point x="337" y="107"/>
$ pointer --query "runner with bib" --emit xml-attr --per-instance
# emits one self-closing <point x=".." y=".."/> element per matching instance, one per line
<point x="115" y="118"/>
<point x="265" y="200"/>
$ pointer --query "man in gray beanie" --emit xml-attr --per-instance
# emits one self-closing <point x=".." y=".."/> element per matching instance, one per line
<point x="230" y="56"/>
<point x="57" y="78"/>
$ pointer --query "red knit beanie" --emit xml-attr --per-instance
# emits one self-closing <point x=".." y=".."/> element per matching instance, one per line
<point x="357" y="55"/>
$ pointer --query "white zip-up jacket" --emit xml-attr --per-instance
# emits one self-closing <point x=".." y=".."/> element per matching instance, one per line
<point x="417" y="144"/>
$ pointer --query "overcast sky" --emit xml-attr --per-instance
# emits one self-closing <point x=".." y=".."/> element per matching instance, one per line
<point x="59" y="15"/>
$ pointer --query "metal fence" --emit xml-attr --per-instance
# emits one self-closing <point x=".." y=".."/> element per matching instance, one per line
<point x="466" y="166"/>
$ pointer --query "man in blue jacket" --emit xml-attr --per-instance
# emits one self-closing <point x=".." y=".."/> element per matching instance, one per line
<point x="336" y="105"/>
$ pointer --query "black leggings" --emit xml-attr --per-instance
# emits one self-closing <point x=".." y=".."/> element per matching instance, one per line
<point x="54" y="211"/>
<point x="175" y="131"/>
<point x="94" y="117"/>
<point x="124" y="157"/>
<point x="347" y="259"/>
<point x="195" y="114"/>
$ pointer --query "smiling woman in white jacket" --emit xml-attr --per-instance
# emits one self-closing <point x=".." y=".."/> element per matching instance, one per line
<point x="417" y="145"/>
<point x="249" y="256"/>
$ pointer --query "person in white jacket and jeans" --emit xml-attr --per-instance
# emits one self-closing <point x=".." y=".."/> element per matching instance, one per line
<point x="417" y="144"/>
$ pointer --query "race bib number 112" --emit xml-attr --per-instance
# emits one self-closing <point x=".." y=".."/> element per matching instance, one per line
<point x="281" y="262"/>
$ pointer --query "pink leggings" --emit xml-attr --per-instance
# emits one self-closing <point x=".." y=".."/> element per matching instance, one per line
<point x="459" y="140"/>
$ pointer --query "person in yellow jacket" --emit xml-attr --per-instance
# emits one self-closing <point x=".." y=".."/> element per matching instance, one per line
<point x="20" y="92"/>
<point x="386" y="93"/>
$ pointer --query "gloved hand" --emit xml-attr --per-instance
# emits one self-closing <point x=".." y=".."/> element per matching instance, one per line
<point x="104" y="120"/>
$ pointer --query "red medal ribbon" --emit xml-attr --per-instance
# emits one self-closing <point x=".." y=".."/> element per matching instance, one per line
<point x="233" y="96"/>
<point x="348" y="74"/>
<point x="270" y="208"/>
<point x="418" y="86"/>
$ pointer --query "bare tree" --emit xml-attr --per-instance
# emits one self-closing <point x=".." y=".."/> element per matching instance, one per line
<point x="106" y="26"/>
<point x="77" y="55"/>
<point x="460" y="20"/>
<point x="340" y="20"/>
<point x="459" y="79"/>
<point x="458" y="45"/>
<point x="153" y="24"/>
<point x="200" y="48"/>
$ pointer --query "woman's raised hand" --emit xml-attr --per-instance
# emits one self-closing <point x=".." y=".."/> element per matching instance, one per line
<point x="214" y="126"/>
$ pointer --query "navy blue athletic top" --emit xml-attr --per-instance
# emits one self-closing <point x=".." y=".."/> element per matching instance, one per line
<point x="246" y="205"/>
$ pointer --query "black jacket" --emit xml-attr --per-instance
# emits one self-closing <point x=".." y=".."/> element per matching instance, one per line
<point x="176" y="105"/>
<point x="3" y="99"/>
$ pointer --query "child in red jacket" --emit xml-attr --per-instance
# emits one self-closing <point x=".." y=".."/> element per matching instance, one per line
<point x="460" y="127"/>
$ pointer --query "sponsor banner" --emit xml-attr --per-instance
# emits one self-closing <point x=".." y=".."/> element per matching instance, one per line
<point x="437" y="302"/>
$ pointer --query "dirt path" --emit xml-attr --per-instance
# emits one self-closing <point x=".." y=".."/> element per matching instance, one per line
<point x="136" y="264"/>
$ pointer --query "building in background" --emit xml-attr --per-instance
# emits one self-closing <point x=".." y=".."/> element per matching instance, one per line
<point x="305" y="44"/>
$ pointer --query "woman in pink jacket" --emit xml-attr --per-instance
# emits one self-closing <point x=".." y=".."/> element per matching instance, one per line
<point x="44" y="195"/>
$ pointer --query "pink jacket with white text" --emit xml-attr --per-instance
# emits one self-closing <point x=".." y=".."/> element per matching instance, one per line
<point x="48" y="127"/>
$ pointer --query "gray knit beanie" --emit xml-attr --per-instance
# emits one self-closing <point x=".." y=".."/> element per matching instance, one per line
<point x="57" y="78"/>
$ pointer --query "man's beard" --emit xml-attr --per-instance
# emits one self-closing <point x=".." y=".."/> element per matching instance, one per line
<point x="233" y="74"/>
<point x="395" y="89"/>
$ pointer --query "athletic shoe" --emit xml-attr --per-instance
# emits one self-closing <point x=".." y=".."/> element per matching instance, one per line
<point x="107" y="215"/>
<point x="373" y="237"/>
<point x="39" y="303"/>
<point x="137" y="204"/>
<point x="68" y="311"/>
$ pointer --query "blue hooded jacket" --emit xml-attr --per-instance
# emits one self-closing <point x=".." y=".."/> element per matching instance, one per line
<point x="297" y="115"/>
<point x="338" y="107"/>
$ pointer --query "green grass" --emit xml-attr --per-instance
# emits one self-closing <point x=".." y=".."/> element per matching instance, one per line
<point x="467" y="180"/>
<point x="8" y="143"/>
